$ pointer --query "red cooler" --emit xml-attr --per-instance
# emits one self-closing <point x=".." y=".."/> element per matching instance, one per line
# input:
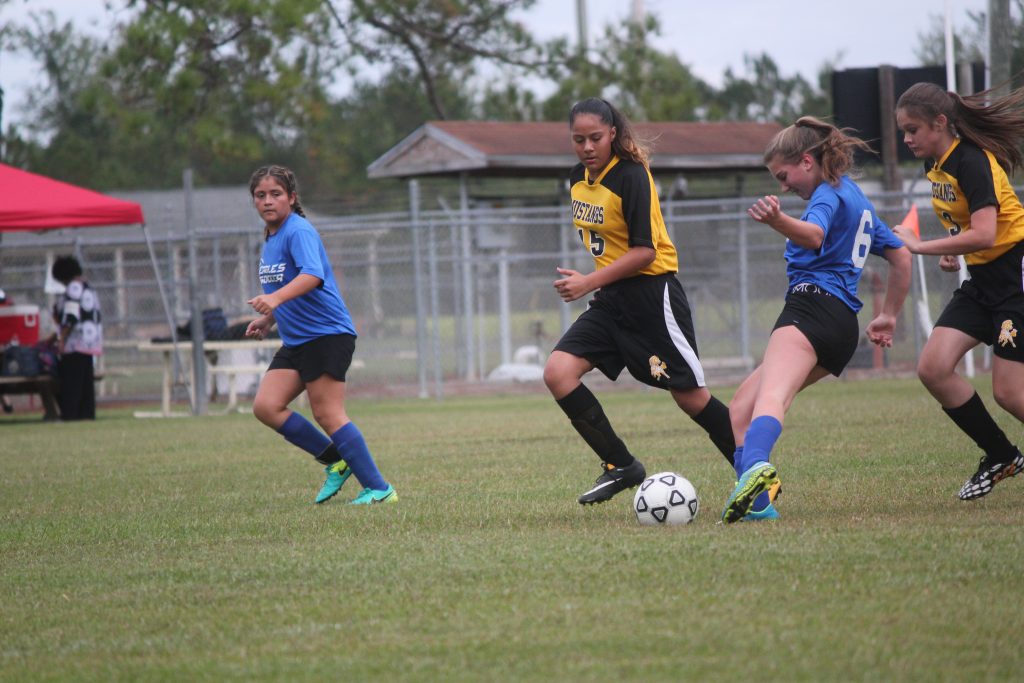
<point x="19" y="322"/>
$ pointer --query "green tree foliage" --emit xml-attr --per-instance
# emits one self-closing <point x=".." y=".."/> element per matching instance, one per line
<point x="622" y="66"/>
<point x="765" y="94"/>
<point x="326" y="86"/>
<point x="442" y="41"/>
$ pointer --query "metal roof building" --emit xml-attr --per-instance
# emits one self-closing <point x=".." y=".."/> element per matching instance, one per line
<point x="542" y="148"/>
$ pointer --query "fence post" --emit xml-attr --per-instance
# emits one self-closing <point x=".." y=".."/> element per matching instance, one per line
<point x="417" y="275"/>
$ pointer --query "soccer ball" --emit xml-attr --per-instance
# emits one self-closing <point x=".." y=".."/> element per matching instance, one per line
<point x="665" y="498"/>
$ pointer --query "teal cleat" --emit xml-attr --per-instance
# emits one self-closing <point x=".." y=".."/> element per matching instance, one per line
<point x="759" y="478"/>
<point x="768" y="513"/>
<point x="372" y="496"/>
<point x="337" y="475"/>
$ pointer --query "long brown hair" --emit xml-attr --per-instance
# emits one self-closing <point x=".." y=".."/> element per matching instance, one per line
<point x="285" y="178"/>
<point x="626" y="144"/>
<point x="831" y="147"/>
<point x="992" y="123"/>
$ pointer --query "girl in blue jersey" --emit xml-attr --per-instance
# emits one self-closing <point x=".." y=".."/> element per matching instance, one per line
<point x="301" y="296"/>
<point x="817" y="332"/>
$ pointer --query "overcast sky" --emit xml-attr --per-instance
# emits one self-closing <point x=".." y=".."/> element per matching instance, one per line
<point x="707" y="35"/>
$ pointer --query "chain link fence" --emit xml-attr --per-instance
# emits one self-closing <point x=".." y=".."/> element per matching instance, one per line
<point x="445" y="299"/>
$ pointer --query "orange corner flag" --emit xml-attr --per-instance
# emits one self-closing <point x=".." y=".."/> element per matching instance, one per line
<point x="910" y="221"/>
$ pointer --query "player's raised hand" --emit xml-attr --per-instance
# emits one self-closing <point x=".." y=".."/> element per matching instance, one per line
<point x="765" y="210"/>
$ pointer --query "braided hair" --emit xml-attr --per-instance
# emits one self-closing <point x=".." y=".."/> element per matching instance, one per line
<point x="285" y="178"/>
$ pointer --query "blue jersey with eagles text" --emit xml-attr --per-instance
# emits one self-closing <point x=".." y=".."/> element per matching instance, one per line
<point x="852" y="231"/>
<point x="296" y="248"/>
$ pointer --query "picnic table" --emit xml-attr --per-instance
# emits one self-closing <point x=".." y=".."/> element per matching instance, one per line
<point x="215" y="365"/>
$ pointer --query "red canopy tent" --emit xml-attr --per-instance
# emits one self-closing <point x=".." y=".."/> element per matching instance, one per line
<point x="35" y="202"/>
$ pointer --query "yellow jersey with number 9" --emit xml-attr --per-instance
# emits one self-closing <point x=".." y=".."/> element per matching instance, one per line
<point x="966" y="179"/>
<point x="617" y="210"/>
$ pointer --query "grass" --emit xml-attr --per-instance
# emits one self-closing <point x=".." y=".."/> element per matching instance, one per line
<point x="189" y="549"/>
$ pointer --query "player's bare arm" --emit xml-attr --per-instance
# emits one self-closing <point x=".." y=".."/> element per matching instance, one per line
<point x="768" y="210"/>
<point x="575" y="284"/>
<point x="982" y="235"/>
<point x="266" y="303"/>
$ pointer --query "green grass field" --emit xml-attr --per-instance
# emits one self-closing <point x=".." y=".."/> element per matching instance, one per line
<point x="190" y="550"/>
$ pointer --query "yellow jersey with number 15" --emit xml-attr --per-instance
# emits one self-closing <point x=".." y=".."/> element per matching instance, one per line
<point x="966" y="179"/>
<point x="617" y="210"/>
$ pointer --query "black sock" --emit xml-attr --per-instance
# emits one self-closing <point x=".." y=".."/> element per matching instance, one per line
<point x="587" y="417"/>
<point x="328" y="456"/>
<point x="976" y="422"/>
<point x="714" y="420"/>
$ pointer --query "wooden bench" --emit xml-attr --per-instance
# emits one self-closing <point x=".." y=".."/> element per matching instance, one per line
<point x="44" y="385"/>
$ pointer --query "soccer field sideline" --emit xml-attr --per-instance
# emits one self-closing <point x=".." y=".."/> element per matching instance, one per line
<point x="190" y="550"/>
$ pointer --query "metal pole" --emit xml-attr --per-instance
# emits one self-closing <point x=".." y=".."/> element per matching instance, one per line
<point x="563" y="251"/>
<point x="467" y="279"/>
<point x="743" y="266"/>
<point x="199" y="398"/>
<point x="504" y="310"/>
<point x="417" y="275"/>
<point x="435" y="308"/>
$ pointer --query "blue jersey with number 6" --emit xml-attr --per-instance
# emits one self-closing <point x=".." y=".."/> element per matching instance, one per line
<point x="852" y="231"/>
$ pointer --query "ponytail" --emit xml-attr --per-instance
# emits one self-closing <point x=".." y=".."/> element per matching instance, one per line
<point x="992" y="123"/>
<point x="626" y="144"/>
<point x="833" y="148"/>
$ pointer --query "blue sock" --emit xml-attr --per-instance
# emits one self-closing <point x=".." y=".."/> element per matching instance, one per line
<point x="737" y="461"/>
<point x="301" y="432"/>
<point x="352" y="446"/>
<point x="761" y="436"/>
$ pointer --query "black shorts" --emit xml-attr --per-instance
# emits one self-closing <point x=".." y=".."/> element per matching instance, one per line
<point x="990" y="306"/>
<point x="828" y="323"/>
<point x="644" y="324"/>
<point x="331" y="355"/>
<point x="999" y="326"/>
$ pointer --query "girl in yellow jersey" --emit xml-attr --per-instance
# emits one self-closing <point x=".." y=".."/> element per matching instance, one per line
<point x="639" y="317"/>
<point x="969" y="144"/>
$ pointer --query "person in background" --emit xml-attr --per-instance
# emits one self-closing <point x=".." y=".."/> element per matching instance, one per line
<point x="5" y="400"/>
<point x="301" y="296"/>
<point x="969" y="145"/>
<point x="79" y="340"/>
<point x="817" y="332"/>
<point x="639" y="317"/>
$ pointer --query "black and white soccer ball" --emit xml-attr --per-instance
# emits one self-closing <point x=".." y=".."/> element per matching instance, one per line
<point x="665" y="498"/>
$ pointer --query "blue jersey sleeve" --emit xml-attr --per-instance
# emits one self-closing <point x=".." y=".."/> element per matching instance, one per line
<point x="884" y="238"/>
<point x="304" y="248"/>
<point x="822" y="208"/>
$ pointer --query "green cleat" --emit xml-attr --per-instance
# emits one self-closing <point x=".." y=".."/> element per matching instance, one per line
<point x="337" y="475"/>
<point x="759" y="478"/>
<point x="372" y="496"/>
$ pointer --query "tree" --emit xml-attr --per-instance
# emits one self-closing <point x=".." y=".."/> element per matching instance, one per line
<point x="441" y="40"/>
<point x="767" y="95"/>
<point x="648" y="84"/>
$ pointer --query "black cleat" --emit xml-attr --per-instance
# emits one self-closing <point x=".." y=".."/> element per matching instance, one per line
<point x="989" y="474"/>
<point x="612" y="480"/>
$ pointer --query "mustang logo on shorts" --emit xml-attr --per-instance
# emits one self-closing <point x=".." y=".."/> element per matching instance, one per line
<point x="658" y="368"/>
<point x="1006" y="333"/>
